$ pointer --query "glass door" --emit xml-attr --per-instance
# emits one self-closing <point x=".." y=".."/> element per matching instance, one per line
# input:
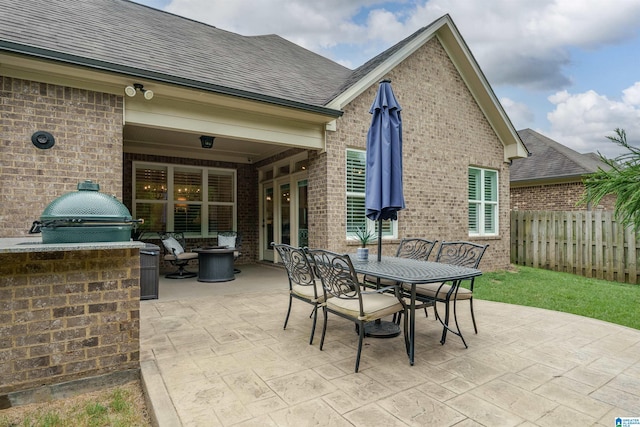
<point x="303" y="210"/>
<point x="285" y="213"/>
<point x="267" y="222"/>
<point x="283" y="205"/>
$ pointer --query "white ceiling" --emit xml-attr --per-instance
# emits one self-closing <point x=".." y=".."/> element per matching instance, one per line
<point x="146" y="140"/>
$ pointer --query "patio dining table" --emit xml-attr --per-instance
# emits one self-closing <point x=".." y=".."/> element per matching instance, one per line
<point x="414" y="272"/>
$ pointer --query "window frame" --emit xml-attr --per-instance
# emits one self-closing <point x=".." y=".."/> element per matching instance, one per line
<point x="170" y="203"/>
<point x="391" y="233"/>
<point x="482" y="203"/>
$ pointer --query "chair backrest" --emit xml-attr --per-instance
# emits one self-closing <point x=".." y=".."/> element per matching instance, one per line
<point x="229" y="239"/>
<point x="465" y="254"/>
<point x="415" y="248"/>
<point x="297" y="264"/>
<point x="173" y="242"/>
<point x="336" y="272"/>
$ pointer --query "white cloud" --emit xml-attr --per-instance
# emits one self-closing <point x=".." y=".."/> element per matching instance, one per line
<point x="522" y="43"/>
<point x="631" y="95"/>
<point x="519" y="113"/>
<point x="581" y="121"/>
<point x="315" y="25"/>
<point x="526" y="43"/>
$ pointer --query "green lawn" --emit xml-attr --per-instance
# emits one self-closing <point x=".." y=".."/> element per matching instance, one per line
<point x="610" y="301"/>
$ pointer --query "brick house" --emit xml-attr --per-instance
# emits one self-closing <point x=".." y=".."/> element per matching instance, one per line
<point x="289" y="126"/>
<point x="551" y="178"/>
<point x="131" y="95"/>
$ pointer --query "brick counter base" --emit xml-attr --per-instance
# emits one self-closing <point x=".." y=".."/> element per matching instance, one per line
<point x="67" y="315"/>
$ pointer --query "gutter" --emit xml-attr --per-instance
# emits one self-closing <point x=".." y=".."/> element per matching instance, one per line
<point x="96" y="64"/>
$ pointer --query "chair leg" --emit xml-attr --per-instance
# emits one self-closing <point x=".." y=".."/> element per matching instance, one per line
<point x="181" y="274"/>
<point x="473" y="318"/>
<point x="313" y="327"/>
<point x="397" y="317"/>
<point x="360" y="339"/>
<point x="324" y="327"/>
<point x="286" y="319"/>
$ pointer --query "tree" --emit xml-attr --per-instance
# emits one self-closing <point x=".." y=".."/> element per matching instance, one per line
<point x="621" y="180"/>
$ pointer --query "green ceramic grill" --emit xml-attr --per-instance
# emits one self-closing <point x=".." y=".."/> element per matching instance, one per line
<point x="86" y="216"/>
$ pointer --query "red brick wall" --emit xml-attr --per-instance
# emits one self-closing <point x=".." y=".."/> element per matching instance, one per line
<point x="554" y="197"/>
<point x="67" y="315"/>
<point x="87" y="127"/>
<point x="444" y="132"/>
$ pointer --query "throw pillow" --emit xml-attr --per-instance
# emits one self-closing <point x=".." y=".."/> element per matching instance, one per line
<point x="228" y="241"/>
<point x="172" y="245"/>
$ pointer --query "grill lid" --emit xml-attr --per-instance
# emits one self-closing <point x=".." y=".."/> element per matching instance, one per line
<point x="87" y="206"/>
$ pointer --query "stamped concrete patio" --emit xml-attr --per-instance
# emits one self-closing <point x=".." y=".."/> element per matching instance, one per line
<point x="215" y="354"/>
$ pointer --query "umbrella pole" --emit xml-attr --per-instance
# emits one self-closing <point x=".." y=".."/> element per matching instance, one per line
<point x="378" y="328"/>
<point x="379" y="239"/>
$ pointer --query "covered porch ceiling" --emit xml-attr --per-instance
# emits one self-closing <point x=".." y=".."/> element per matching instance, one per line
<point x="174" y="143"/>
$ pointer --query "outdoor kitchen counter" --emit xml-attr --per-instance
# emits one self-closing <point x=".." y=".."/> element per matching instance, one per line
<point x="34" y="244"/>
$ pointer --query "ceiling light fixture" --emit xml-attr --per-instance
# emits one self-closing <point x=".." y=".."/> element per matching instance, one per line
<point x="207" y="141"/>
<point x="132" y="90"/>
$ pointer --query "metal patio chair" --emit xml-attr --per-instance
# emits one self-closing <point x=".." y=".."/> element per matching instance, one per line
<point x="231" y="239"/>
<point x="413" y="248"/>
<point x="302" y="282"/>
<point x="465" y="254"/>
<point x="174" y="252"/>
<point x="345" y="298"/>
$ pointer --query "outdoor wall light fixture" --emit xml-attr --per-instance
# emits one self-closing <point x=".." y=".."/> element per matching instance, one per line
<point x="132" y="90"/>
<point x="43" y="140"/>
<point x="207" y="141"/>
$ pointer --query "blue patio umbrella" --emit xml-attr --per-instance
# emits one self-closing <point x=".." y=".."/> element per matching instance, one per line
<point x="383" y="189"/>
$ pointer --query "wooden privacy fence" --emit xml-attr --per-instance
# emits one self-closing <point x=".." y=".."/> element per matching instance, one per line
<point x="588" y="243"/>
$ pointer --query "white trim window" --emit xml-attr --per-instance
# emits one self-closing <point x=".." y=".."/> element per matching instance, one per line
<point x="194" y="200"/>
<point x="356" y="218"/>
<point x="483" y="202"/>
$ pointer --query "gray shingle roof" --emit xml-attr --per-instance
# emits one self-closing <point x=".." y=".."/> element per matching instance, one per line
<point x="131" y="35"/>
<point x="551" y="160"/>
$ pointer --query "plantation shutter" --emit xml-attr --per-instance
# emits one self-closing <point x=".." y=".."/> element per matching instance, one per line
<point x="355" y="191"/>
<point x="490" y="198"/>
<point x="151" y="197"/>
<point x="220" y="198"/>
<point x="483" y="201"/>
<point x="187" y="194"/>
<point x="474" y="201"/>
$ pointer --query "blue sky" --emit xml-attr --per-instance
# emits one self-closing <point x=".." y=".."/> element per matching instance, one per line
<point x="568" y="69"/>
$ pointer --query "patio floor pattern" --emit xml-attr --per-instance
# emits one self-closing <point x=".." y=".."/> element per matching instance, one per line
<point x="225" y="360"/>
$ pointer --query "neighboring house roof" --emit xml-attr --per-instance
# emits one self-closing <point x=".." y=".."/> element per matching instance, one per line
<point x="551" y="161"/>
<point x="127" y="38"/>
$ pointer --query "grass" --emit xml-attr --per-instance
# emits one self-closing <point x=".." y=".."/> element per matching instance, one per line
<point x="121" y="406"/>
<point x="599" y="299"/>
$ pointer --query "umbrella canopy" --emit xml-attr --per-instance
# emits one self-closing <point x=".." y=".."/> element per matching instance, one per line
<point x="383" y="190"/>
